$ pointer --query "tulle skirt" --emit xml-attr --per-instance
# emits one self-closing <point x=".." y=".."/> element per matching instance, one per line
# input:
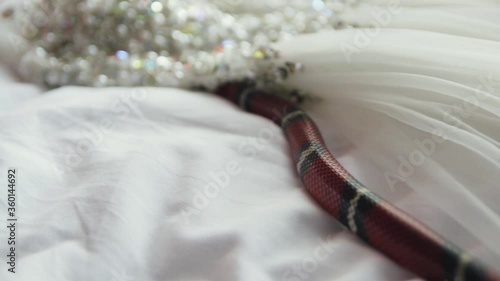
<point x="418" y="95"/>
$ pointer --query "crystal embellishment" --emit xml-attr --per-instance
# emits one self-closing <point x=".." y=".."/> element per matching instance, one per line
<point x="188" y="43"/>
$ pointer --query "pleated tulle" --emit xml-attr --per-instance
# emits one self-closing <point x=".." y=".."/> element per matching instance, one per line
<point x="421" y="99"/>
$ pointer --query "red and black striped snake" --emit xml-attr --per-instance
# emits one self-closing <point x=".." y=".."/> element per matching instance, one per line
<point x="379" y="223"/>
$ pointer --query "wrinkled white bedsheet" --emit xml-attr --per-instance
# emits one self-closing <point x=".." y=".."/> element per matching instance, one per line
<point x="148" y="184"/>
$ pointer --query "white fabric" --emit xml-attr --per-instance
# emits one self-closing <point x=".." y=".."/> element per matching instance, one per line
<point x="395" y="93"/>
<point x="126" y="203"/>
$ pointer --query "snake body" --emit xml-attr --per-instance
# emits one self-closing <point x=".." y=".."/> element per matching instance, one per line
<point x="377" y="222"/>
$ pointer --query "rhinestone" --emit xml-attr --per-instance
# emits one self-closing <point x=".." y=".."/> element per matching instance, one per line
<point x="168" y="43"/>
<point x="156" y="7"/>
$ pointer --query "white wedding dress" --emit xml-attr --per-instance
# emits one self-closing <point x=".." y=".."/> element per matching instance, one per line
<point x="421" y="98"/>
<point x="413" y="101"/>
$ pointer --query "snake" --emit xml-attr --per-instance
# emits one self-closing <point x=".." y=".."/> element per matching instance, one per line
<point x="380" y="224"/>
